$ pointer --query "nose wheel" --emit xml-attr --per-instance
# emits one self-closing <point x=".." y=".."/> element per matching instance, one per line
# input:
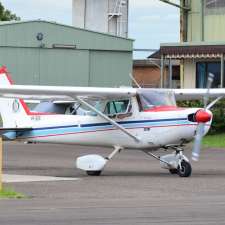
<point x="184" y="169"/>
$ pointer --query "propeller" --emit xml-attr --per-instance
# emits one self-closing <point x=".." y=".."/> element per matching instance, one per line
<point x="202" y="116"/>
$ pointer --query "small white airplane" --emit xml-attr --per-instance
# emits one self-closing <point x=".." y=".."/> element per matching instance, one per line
<point x="121" y="118"/>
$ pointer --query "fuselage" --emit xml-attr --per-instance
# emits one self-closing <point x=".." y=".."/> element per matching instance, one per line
<point x="154" y="128"/>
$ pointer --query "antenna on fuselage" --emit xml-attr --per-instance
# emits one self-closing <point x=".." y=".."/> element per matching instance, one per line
<point x="134" y="80"/>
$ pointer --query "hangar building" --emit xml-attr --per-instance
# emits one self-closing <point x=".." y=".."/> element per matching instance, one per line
<point x="47" y="53"/>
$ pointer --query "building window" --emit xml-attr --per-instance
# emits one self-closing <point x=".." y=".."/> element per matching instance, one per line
<point x="202" y="71"/>
<point x="209" y="4"/>
<point x="214" y="6"/>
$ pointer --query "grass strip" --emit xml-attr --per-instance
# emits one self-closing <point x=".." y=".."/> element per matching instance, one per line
<point x="10" y="193"/>
<point x="214" y="141"/>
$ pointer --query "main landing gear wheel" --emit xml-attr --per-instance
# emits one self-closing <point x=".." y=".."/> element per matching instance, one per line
<point x="94" y="164"/>
<point x="94" y="173"/>
<point x="185" y="169"/>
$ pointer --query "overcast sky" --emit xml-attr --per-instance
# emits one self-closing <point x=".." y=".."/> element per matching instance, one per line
<point x="151" y="22"/>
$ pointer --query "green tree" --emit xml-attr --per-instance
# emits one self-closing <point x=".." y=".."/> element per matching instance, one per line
<point x="6" y="15"/>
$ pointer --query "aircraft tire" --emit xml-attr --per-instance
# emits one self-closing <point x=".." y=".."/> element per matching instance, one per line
<point x="94" y="173"/>
<point x="173" y="171"/>
<point x="185" y="170"/>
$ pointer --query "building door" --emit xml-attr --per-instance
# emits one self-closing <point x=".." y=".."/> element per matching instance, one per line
<point x="214" y="68"/>
<point x="201" y="75"/>
<point x="202" y="71"/>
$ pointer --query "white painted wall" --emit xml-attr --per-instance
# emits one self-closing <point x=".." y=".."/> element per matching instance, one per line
<point x="190" y="73"/>
<point x="78" y="13"/>
<point x="96" y="15"/>
<point x="101" y="15"/>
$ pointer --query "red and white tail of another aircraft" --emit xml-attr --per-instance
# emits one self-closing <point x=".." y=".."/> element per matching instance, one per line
<point x="121" y="118"/>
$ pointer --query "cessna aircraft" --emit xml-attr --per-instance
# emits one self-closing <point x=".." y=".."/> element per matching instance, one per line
<point x="120" y="118"/>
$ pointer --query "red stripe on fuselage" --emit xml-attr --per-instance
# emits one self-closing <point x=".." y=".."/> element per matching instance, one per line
<point x="164" y="108"/>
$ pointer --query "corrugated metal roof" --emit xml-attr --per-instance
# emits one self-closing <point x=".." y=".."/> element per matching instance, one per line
<point x="2" y="23"/>
<point x="155" y="55"/>
<point x="151" y="63"/>
<point x="194" y="43"/>
<point x="207" y="49"/>
<point x="190" y="51"/>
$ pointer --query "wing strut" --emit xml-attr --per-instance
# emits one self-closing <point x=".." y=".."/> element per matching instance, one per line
<point x="114" y="123"/>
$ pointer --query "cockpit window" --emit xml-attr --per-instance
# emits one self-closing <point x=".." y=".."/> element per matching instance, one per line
<point x="149" y="98"/>
<point x="118" y="107"/>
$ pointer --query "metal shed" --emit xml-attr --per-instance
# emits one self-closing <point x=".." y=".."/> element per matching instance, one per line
<point x="48" y="53"/>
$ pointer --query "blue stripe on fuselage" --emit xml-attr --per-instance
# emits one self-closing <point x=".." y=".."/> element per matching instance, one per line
<point x="67" y="129"/>
<point x="109" y="124"/>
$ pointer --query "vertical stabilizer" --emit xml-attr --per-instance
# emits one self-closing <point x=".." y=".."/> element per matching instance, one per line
<point x="13" y="111"/>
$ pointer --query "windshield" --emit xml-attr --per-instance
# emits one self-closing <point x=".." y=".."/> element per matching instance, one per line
<point x="150" y="98"/>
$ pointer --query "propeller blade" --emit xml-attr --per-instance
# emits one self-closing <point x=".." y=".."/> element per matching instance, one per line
<point x="201" y="126"/>
<point x="210" y="105"/>
<point x="209" y="85"/>
<point x="198" y="140"/>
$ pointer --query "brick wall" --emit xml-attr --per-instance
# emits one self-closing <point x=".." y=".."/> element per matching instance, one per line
<point x="149" y="76"/>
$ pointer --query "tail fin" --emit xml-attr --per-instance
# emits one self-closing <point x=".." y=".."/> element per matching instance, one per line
<point x="14" y="112"/>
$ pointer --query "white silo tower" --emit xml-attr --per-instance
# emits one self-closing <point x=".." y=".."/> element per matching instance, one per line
<point x="109" y="16"/>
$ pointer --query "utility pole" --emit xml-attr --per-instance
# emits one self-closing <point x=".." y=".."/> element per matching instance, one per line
<point x="176" y="5"/>
<point x="184" y="9"/>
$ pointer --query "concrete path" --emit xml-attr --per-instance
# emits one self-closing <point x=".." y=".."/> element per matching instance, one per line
<point x="11" y="178"/>
<point x="132" y="190"/>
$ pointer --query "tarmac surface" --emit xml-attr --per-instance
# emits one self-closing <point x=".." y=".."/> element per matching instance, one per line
<point x="133" y="189"/>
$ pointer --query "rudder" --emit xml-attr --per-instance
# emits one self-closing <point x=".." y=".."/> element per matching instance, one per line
<point x="13" y="111"/>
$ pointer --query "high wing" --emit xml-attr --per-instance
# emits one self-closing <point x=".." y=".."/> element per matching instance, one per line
<point x="64" y="93"/>
<point x="198" y="93"/>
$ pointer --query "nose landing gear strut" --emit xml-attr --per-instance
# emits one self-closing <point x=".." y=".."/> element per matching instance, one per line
<point x="176" y="162"/>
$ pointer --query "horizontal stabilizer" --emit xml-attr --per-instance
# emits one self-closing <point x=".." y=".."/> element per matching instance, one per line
<point x="9" y="133"/>
<point x="16" y="129"/>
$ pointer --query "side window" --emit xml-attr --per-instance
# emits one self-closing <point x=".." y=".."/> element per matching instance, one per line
<point x="111" y="109"/>
<point x="118" y="107"/>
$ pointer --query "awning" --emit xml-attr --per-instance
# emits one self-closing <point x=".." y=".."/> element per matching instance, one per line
<point x="189" y="51"/>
